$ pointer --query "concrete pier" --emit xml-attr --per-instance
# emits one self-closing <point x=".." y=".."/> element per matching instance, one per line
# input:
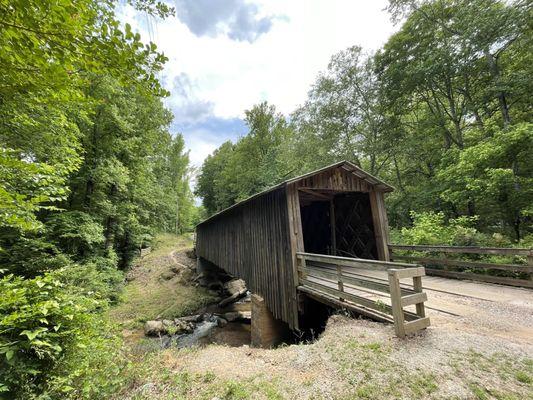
<point x="267" y="332"/>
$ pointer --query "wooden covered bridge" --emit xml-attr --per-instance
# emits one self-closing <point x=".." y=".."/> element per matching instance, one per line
<point x="312" y="237"/>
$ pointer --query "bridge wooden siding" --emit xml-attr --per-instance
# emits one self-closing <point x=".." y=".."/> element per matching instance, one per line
<point x="258" y="239"/>
<point x="251" y="242"/>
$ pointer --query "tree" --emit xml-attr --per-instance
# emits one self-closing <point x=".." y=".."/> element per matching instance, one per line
<point x="256" y="162"/>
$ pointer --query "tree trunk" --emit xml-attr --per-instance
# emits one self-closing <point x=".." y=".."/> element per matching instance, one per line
<point x="109" y="233"/>
<point x="502" y="100"/>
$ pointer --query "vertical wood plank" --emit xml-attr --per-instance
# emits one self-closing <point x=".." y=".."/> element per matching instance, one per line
<point x="396" y="303"/>
<point x="381" y="228"/>
<point x="333" y="228"/>
<point x="417" y="287"/>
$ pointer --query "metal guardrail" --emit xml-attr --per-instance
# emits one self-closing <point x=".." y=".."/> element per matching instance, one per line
<point x="340" y="282"/>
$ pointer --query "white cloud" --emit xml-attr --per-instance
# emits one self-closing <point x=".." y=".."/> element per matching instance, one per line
<point x="223" y="61"/>
<point x="238" y="19"/>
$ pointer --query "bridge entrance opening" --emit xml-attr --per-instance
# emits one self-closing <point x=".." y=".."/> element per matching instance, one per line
<point x="338" y="223"/>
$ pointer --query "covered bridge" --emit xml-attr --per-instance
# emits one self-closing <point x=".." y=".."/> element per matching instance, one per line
<point x="337" y="211"/>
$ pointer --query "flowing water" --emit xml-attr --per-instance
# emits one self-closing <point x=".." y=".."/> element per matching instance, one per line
<point x="208" y="331"/>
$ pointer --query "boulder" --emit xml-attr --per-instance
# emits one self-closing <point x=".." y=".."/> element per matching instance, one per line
<point x="183" y="327"/>
<point x="167" y="275"/>
<point x="238" y="315"/>
<point x="154" y="328"/>
<point x="236" y="286"/>
<point x="221" y="322"/>
<point x="190" y="318"/>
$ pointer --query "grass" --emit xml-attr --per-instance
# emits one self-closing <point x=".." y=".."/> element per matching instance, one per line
<point x="505" y="371"/>
<point x="166" y="383"/>
<point x="148" y="296"/>
<point x="370" y="372"/>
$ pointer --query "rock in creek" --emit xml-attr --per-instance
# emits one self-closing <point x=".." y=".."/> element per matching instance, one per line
<point x="191" y="318"/>
<point x="236" y="288"/>
<point x="159" y="328"/>
<point x="238" y="315"/>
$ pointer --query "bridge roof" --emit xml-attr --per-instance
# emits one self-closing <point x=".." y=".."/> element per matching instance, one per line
<point x="347" y="165"/>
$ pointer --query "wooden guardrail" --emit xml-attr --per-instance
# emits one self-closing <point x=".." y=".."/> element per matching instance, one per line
<point x="475" y="269"/>
<point x="340" y="281"/>
<point x="398" y="301"/>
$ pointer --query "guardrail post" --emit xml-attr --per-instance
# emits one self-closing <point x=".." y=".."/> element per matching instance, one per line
<point x="417" y="286"/>
<point x="396" y="303"/>
<point x="530" y="263"/>
<point x="339" y="281"/>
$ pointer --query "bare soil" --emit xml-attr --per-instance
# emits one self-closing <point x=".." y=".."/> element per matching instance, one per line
<point x="478" y="348"/>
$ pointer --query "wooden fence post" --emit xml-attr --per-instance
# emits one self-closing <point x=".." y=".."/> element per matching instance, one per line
<point x="417" y="286"/>
<point x="530" y="263"/>
<point x="396" y="303"/>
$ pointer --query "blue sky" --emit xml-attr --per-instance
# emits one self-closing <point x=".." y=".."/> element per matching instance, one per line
<point x="227" y="55"/>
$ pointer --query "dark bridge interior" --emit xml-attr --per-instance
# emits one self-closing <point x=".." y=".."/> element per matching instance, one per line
<point x="338" y="223"/>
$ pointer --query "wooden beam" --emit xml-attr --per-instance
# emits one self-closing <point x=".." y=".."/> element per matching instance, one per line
<point x="349" y="280"/>
<point x="321" y="297"/>
<point x="379" y="219"/>
<point x="408" y="272"/>
<point x="295" y="243"/>
<point x="416" y="325"/>
<point x="333" y="227"/>
<point x="465" y="249"/>
<point x="417" y="286"/>
<point x="397" y="310"/>
<point x="480" y="277"/>
<point x="315" y="193"/>
<point x="414" y="299"/>
<point x="355" y="262"/>
<point x="468" y="264"/>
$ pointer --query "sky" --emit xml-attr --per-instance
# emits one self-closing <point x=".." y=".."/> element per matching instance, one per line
<point x="227" y="55"/>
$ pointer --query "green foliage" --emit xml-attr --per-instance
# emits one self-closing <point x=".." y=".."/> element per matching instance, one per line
<point x="431" y="228"/>
<point x="40" y="323"/>
<point x="29" y="255"/>
<point x="495" y="174"/>
<point x="88" y="172"/>
<point x="256" y="162"/>
<point x="75" y="233"/>
<point x="442" y="112"/>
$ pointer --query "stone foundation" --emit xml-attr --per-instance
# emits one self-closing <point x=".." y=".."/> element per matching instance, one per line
<point x="267" y="331"/>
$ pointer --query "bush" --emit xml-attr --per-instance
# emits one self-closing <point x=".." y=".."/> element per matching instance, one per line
<point x="30" y="256"/>
<point x="98" y="278"/>
<point x="41" y="323"/>
<point x="430" y="228"/>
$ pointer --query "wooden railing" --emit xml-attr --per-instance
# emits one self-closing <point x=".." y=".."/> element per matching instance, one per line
<point x="475" y="269"/>
<point x="341" y="282"/>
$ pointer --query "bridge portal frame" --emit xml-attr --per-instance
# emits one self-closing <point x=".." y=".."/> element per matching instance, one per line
<point x="258" y="238"/>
